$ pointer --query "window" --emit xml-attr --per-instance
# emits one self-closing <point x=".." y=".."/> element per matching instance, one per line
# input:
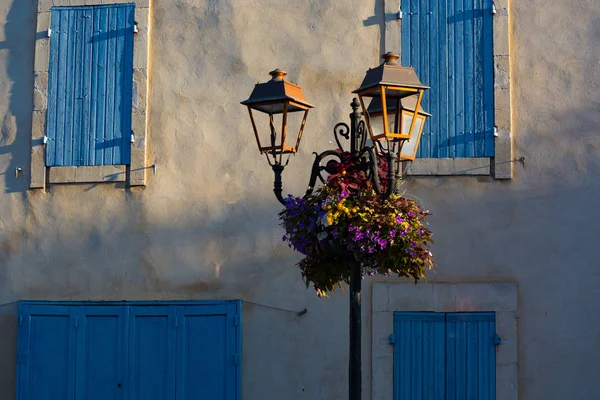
<point x="90" y="92"/>
<point x="461" y="49"/>
<point x="442" y="356"/>
<point x="151" y="351"/>
<point x="90" y="83"/>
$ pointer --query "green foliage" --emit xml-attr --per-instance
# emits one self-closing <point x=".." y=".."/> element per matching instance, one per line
<point x="345" y="220"/>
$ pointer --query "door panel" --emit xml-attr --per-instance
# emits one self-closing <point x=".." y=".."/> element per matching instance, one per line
<point x="101" y="353"/>
<point x="152" y="352"/>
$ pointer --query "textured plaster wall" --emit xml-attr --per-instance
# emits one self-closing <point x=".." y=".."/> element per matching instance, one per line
<point x="205" y="227"/>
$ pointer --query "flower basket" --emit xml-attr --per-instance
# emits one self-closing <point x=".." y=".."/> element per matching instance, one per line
<point x="345" y="221"/>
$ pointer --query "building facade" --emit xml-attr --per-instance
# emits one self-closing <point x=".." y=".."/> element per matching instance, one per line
<point x="162" y="212"/>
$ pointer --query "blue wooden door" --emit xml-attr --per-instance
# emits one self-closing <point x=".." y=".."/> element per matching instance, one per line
<point x="101" y="353"/>
<point x="450" y="45"/>
<point x="419" y="359"/>
<point x="90" y="85"/>
<point x="470" y="356"/>
<point x="208" y="353"/>
<point x="46" y="354"/>
<point x="152" y="352"/>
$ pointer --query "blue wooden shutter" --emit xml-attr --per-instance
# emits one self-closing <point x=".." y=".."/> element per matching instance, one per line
<point x="470" y="356"/>
<point x="450" y="45"/>
<point x="101" y="353"/>
<point x="152" y="352"/>
<point x="207" y="352"/>
<point x="46" y="356"/>
<point x="419" y="356"/>
<point x="90" y="85"/>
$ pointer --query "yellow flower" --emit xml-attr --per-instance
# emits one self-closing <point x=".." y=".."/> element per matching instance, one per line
<point x="404" y="225"/>
<point x="343" y="172"/>
<point x="340" y="206"/>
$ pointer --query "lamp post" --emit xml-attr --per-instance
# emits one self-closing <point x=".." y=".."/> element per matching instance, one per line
<point x="394" y="121"/>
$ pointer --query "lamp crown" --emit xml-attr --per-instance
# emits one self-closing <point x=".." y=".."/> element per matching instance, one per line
<point x="277" y="75"/>
<point x="390" y="58"/>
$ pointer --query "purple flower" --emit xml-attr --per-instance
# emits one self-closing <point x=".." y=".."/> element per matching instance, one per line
<point x="411" y="214"/>
<point x="420" y="232"/>
<point x="402" y="233"/>
<point x="393" y="233"/>
<point x="399" y="219"/>
<point x="413" y="243"/>
<point x="371" y="249"/>
<point x="351" y="228"/>
<point x="334" y="234"/>
<point x="413" y="254"/>
<point x="283" y="238"/>
<point x="345" y="193"/>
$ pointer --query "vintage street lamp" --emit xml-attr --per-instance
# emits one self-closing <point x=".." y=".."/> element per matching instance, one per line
<point x="394" y="121"/>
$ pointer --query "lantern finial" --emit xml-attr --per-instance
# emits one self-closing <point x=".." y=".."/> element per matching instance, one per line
<point x="277" y="75"/>
<point x="390" y="58"/>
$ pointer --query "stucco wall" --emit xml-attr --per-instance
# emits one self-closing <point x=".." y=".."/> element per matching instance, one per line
<point x="205" y="226"/>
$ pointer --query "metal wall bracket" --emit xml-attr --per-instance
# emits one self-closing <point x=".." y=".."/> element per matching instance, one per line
<point x="497" y="340"/>
<point x="494" y="8"/>
<point x="49" y="33"/>
<point x="400" y="14"/>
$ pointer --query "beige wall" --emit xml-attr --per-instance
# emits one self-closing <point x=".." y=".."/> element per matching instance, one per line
<point x="205" y="226"/>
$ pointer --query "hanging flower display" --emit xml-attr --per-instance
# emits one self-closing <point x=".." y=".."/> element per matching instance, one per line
<point x="345" y="220"/>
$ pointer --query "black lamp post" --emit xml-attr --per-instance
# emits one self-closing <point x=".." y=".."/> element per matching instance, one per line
<point x="394" y="119"/>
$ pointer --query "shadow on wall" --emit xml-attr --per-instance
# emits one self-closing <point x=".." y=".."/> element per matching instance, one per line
<point x="15" y="133"/>
<point x="379" y="18"/>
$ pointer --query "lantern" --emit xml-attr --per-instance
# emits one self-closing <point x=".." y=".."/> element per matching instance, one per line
<point x="400" y="119"/>
<point x="389" y="84"/>
<point x="277" y="97"/>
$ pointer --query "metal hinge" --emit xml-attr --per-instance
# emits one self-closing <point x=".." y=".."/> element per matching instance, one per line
<point x="497" y="340"/>
<point x="20" y="320"/>
<point x="400" y="14"/>
<point x="392" y="338"/>
<point x="132" y="137"/>
<point x="176" y="323"/>
<point x="237" y="320"/>
<point x="49" y="33"/>
<point x="76" y="322"/>
<point x="493" y="8"/>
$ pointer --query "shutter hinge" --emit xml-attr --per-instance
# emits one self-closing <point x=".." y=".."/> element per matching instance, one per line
<point x="135" y="27"/>
<point x="497" y="340"/>
<point x="494" y="8"/>
<point x="237" y="320"/>
<point x="392" y="338"/>
<point x="176" y="323"/>
<point x="132" y="137"/>
<point x="45" y="140"/>
<point x="20" y="320"/>
<point x="76" y="322"/>
<point x="49" y="33"/>
<point x="400" y="14"/>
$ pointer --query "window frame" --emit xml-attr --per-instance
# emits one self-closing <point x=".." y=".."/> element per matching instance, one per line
<point x="134" y="173"/>
<point x="500" y="166"/>
<point x="397" y="296"/>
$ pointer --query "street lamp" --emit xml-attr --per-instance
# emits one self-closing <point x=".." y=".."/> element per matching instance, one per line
<point x="394" y="120"/>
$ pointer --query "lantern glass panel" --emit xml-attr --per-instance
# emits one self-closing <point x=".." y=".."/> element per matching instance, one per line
<point x="410" y="146"/>
<point x="271" y="129"/>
